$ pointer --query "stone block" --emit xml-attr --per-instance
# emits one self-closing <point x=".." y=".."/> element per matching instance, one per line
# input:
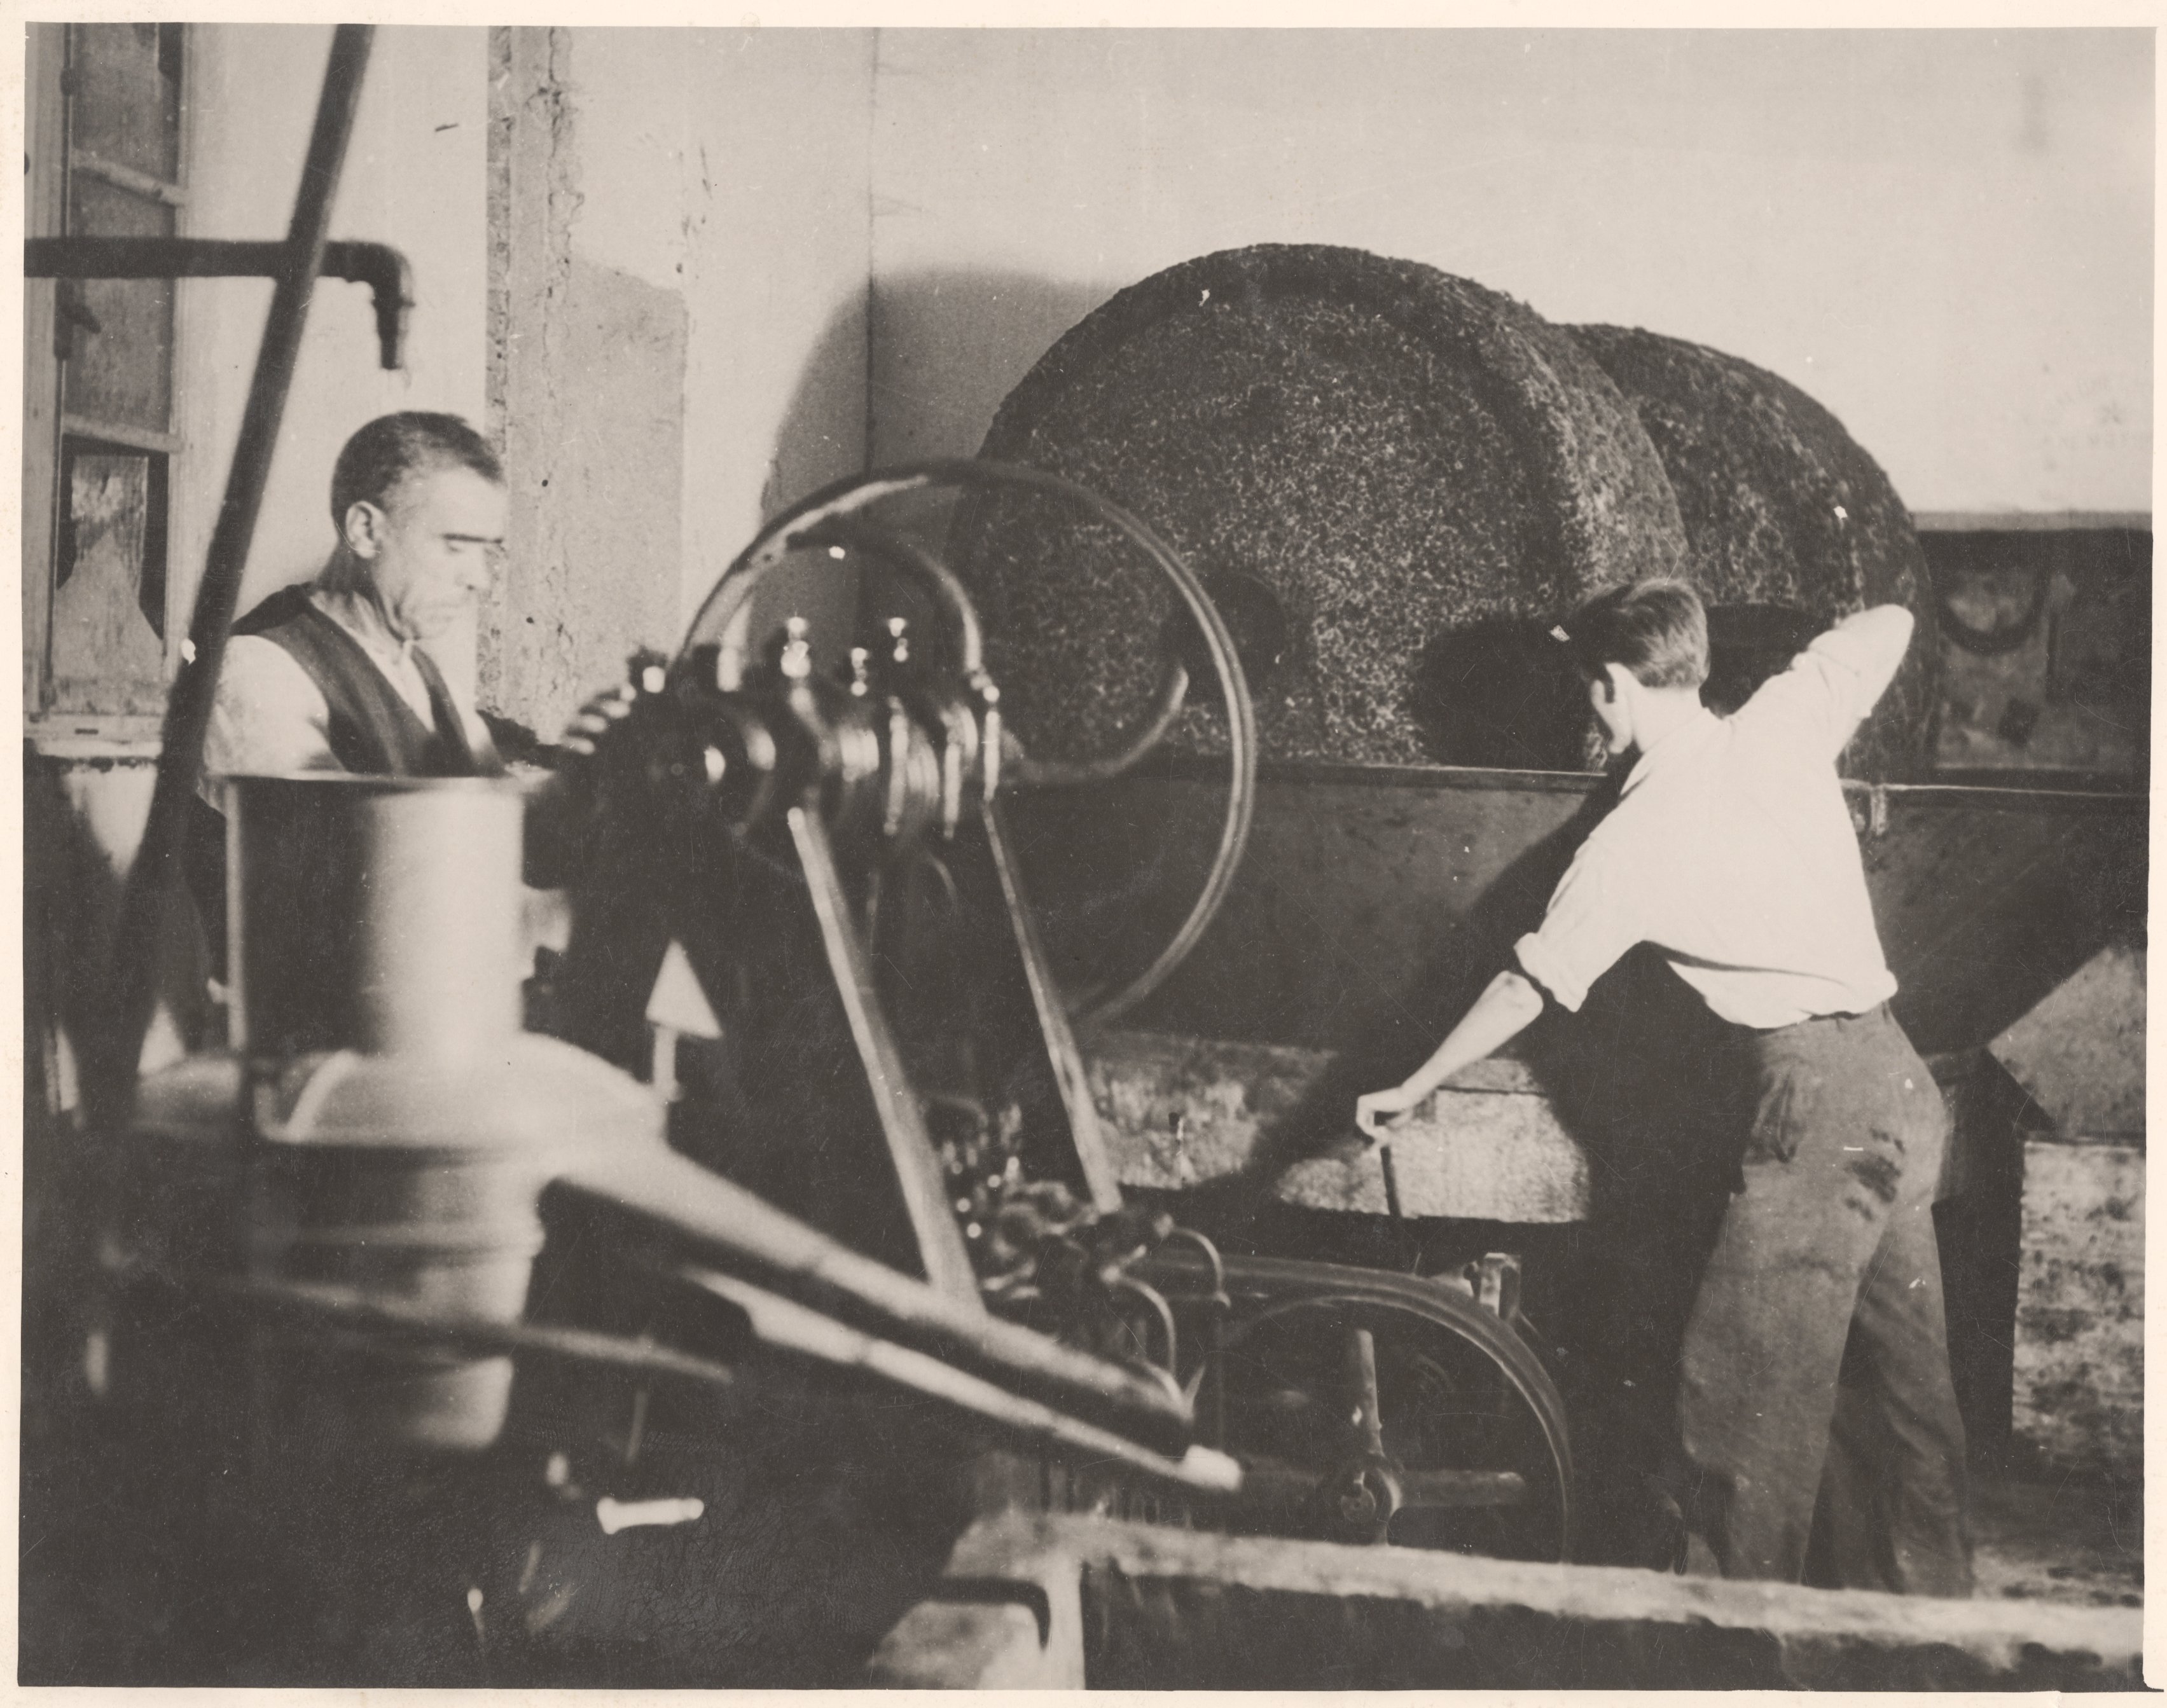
<point x="2080" y="1051"/>
<point x="1182" y="1112"/>
<point x="1007" y="1616"/>
<point x="2079" y="1397"/>
<point x="1179" y="1609"/>
<point x="946" y="1646"/>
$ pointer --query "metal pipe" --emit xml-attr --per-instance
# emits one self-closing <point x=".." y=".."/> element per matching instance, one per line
<point x="379" y="266"/>
<point x="157" y="868"/>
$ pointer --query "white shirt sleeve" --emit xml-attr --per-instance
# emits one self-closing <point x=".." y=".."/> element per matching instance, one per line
<point x="268" y="716"/>
<point x="1830" y="687"/>
<point x="1593" y="919"/>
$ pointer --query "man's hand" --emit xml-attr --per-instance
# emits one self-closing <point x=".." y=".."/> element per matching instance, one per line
<point x="1508" y="1003"/>
<point x="592" y="722"/>
<point x="1372" y="1108"/>
<point x="561" y="813"/>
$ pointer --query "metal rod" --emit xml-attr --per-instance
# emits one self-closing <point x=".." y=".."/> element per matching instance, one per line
<point x="157" y="870"/>
<point x="379" y="266"/>
<point x="734" y="1230"/>
<point x="781" y="1326"/>
<point x="1278" y="1482"/>
<point x="1071" y="1078"/>
<point x="785" y="1326"/>
<point x="1361" y="1354"/>
<point x="352" y="1308"/>
<point x="1391" y="1182"/>
<point x="1410" y="1246"/>
<point x="918" y="1173"/>
<point x="1461" y="1488"/>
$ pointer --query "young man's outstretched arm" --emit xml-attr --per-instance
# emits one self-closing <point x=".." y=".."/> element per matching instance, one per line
<point x="1873" y="643"/>
<point x="1831" y="685"/>
<point x="1505" y="1008"/>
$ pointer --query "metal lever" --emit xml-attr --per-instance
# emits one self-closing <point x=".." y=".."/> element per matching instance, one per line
<point x="917" y="1164"/>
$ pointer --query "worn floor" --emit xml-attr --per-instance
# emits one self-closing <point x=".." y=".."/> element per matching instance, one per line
<point x="2058" y="1542"/>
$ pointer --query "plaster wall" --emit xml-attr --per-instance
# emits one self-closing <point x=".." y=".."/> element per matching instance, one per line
<point x="1944" y="237"/>
<point x="682" y="341"/>
<point x="587" y="398"/>
<point x="786" y="254"/>
<point x="863" y="239"/>
<point x="415" y="179"/>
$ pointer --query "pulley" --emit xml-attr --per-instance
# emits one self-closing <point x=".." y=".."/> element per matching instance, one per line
<point x="945" y="687"/>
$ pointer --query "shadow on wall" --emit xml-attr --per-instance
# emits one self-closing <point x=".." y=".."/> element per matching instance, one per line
<point x="947" y="348"/>
<point x="914" y="368"/>
<point x="822" y="439"/>
<point x="594" y="413"/>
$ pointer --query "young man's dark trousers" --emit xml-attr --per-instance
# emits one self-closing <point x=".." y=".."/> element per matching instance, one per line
<point x="1815" y="1366"/>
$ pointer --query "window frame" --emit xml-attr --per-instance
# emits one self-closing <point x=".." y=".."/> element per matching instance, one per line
<point x="52" y="160"/>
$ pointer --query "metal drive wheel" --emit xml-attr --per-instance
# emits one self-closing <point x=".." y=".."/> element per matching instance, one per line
<point x="1370" y="1407"/>
<point x="894" y="522"/>
<point x="1362" y="1421"/>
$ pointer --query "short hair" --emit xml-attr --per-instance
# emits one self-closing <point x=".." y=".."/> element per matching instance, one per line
<point x="1657" y="629"/>
<point x="391" y="447"/>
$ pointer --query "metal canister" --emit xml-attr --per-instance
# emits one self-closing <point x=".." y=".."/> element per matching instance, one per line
<point x="416" y="1182"/>
<point x="373" y="913"/>
<point x="401" y="1126"/>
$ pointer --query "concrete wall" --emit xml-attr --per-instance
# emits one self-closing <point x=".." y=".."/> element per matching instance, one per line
<point x="414" y="179"/>
<point x="587" y="395"/>
<point x="1944" y="237"/>
<point x="682" y="344"/>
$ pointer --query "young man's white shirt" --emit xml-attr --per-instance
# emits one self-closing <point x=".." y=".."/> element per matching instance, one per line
<point x="1732" y="851"/>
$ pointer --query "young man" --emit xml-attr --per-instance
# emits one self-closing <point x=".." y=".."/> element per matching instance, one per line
<point x="1732" y="853"/>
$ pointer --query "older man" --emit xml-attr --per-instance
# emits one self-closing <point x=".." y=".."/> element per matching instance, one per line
<point x="335" y="674"/>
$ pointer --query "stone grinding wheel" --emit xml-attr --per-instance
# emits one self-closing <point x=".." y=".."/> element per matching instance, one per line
<point x="1782" y="509"/>
<point x="1396" y="454"/>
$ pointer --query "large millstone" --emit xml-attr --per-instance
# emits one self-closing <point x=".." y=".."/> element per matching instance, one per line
<point x="1789" y="524"/>
<point x="1413" y="468"/>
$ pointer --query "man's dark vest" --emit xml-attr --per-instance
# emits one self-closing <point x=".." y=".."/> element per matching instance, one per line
<point x="372" y="730"/>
